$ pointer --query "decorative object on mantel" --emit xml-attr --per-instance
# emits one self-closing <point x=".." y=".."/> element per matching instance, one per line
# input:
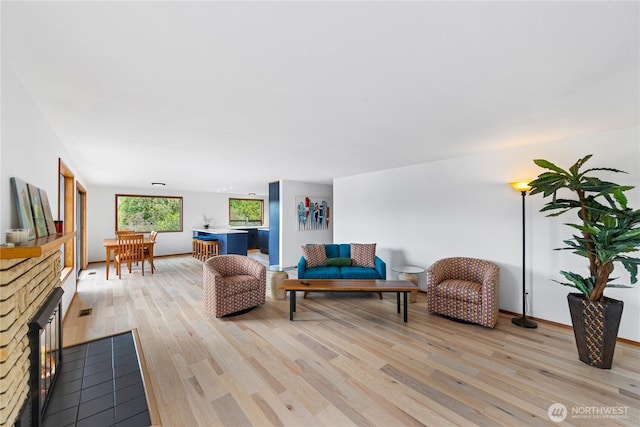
<point x="207" y="220"/>
<point x="16" y="236"/>
<point x="38" y="213"/>
<point x="522" y="187"/>
<point x="23" y="205"/>
<point x="608" y="231"/>
<point x="48" y="217"/>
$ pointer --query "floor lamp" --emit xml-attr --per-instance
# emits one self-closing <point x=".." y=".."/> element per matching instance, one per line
<point x="523" y="187"/>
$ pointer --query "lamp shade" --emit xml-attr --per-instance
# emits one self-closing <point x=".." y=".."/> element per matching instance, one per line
<point x="520" y="186"/>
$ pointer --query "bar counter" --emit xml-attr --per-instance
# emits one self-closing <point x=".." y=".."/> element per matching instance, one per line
<point x="230" y="241"/>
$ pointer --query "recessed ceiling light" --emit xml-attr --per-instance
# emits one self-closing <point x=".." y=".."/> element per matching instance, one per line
<point x="158" y="184"/>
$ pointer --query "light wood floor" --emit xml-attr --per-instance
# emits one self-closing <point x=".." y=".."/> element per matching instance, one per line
<point x="345" y="360"/>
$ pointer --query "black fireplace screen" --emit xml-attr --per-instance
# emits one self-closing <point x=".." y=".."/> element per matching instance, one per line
<point x="45" y="341"/>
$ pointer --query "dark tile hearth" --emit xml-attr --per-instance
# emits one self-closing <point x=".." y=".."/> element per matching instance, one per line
<point x="99" y="385"/>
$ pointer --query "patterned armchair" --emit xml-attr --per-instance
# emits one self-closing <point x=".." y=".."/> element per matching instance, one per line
<point x="464" y="288"/>
<point x="232" y="283"/>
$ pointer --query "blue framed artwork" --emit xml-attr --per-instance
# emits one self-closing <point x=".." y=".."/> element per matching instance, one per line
<point x="23" y="206"/>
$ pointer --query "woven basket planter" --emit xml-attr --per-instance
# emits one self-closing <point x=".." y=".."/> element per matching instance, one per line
<point x="595" y="325"/>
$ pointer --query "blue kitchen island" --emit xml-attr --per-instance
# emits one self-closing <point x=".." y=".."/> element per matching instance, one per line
<point x="229" y="241"/>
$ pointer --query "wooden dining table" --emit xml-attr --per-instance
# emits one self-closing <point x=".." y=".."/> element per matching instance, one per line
<point x="111" y="244"/>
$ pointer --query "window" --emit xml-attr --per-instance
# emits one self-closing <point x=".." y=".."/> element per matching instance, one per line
<point x="147" y="213"/>
<point x="245" y="211"/>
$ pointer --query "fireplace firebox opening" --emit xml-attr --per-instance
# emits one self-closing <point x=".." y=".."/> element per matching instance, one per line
<point x="45" y="343"/>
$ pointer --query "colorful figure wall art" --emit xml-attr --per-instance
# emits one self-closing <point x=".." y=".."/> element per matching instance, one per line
<point x="312" y="214"/>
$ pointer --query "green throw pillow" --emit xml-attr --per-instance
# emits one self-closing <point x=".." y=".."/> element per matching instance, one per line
<point x="338" y="262"/>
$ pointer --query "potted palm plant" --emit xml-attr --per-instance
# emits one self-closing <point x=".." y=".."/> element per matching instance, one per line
<point x="607" y="232"/>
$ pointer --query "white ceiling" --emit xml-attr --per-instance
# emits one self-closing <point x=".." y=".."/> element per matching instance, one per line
<point x="227" y="96"/>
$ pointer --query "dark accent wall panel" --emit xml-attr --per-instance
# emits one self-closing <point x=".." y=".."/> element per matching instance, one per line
<point x="274" y="223"/>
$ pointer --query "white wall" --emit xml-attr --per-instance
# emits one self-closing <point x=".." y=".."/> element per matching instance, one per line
<point x="29" y="150"/>
<point x="102" y="220"/>
<point x="465" y="207"/>
<point x="290" y="238"/>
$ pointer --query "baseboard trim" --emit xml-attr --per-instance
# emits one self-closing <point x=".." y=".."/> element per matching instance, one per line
<point x="562" y="325"/>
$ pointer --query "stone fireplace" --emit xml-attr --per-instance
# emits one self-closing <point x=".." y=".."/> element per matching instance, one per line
<point x="29" y="279"/>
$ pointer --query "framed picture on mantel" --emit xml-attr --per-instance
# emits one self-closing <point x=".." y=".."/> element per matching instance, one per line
<point x="38" y="213"/>
<point x="23" y="206"/>
<point x="46" y="208"/>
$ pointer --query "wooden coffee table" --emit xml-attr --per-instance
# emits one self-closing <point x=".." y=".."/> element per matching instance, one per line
<point x="339" y="285"/>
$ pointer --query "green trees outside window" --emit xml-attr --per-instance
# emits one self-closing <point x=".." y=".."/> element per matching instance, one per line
<point x="147" y="213"/>
<point x="245" y="211"/>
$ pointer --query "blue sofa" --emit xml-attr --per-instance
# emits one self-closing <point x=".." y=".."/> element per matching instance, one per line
<point x="341" y="250"/>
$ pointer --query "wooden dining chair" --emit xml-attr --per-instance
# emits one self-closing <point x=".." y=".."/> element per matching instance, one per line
<point x="130" y="250"/>
<point x="123" y="232"/>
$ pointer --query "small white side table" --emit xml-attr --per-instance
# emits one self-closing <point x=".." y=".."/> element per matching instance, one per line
<point x="410" y="273"/>
<point x="278" y="274"/>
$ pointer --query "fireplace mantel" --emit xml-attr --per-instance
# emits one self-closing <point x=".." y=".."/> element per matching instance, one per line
<point x="35" y="248"/>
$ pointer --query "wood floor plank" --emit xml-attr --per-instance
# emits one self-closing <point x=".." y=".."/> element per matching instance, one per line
<point x="334" y="394"/>
<point x="303" y="413"/>
<point x="268" y="409"/>
<point x="345" y="360"/>
<point x="422" y="407"/>
<point x="386" y="394"/>
<point x="383" y="412"/>
<point x="208" y="380"/>
<point x="205" y="414"/>
<point x="230" y="412"/>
